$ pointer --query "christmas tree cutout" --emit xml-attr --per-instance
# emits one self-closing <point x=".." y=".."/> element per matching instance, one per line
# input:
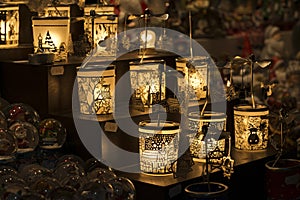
<point x="49" y="42"/>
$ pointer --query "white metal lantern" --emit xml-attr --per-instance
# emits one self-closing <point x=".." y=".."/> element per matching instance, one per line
<point x="215" y="123"/>
<point x="251" y="127"/>
<point x="196" y="75"/>
<point x="101" y="24"/>
<point x="96" y="87"/>
<point x="148" y="81"/>
<point x="158" y="146"/>
<point x="9" y="25"/>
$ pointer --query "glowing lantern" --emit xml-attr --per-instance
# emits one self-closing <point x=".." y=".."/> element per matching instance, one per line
<point x="195" y="72"/>
<point x="251" y="127"/>
<point x="96" y="90"/>
<point x="51" y="34"/>
<point x="214" y="124"/>
<point x="148" y="80"/>
<point x="158" y="146"/>
<point x="9" y="25"/>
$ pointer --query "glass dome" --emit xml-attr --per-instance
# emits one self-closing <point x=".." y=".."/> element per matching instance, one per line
<point x="52" y="134"/>
<point x="95" y="190"/>
<point x="13" y="191"/>
<point x="101" y="174"/>
<point x="93" y="163"/>
<point x="123" y="188"/>
<point x="67" y="169"/>
<point x="32" y="172"/>
<point x="71" y="158"/>
<point x="8" y="145"/>
<point x="44" y="185"/>
<point x="7" y="170"/>
<point x="27" y="136"/>
<point x="21" y="112"/>
<point x="63" y="192"/>
<point x="11" y="179"/>
<point x="75" y="181"/>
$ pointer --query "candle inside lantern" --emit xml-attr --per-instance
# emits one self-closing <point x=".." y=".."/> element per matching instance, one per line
<point x="9" y="25"/>
<point x="96" y="90"/>
<point x="195" y="71"/>
<point x="158" y="146"/>
<point x="148" y="81"/>
<point x="214" y="124"/>
<point x="251" y="127"/>
<point x="51" y="34"/>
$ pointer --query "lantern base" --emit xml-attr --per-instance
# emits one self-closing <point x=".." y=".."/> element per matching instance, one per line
<point x="41" y="58"/>
<point x="154" y="174"/>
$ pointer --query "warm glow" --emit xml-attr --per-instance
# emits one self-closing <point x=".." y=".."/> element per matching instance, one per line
<point x="148" y="38"/>
<point x="96" y="90"/>
<point x="251" y="127"/>
<point x="148" y="81"/>
<point x="158" y="148"/>
<point x="59" y="30"/>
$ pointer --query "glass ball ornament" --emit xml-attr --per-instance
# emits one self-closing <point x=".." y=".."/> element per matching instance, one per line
<point x="27" y="136"/>
<point x="32" y="172"/>
<point x="52" y="134"/>
<point x="123" y="188"/>
<point x="101" y="174"/>
<point x="70" y="158"/>
<point x="8" y="145"/>
<point x="67" y="169"/>
<point x="93" y="163"/>
<point x="7" y="170"/>
<point x="45" y="185"/>
<point x="3" y="123"/>
<point x="13" y="191"/>
<point x="21" y="112"/>
<point x="62" y="193"/>
<point x="94" y="190"/>
<point x="75" y="181"/>
<point x="12" y="179"/>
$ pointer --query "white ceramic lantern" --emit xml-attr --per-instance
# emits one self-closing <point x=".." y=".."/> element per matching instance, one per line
<point x="96" y="87"/>
<point x="251" y="127"/>
<point x="158" y="146"/>
<point x="148" y="80"/>
<point x="9" y="25"/>
<point x="196" y="74"/>
<point x="210" y="137"/>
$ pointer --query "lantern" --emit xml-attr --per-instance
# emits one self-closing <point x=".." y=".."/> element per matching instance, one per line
<point x="51" y="34"/>
<point x="96" y="90"/>
<point x="195" y="71"/>
<point x="9" y="25"/>
<point x="251" y="127"/>
<point x="101" y="24"/>
<point x="148" y="80"/>
<point x="158" y="146"/>
<point x="213" y="136"/>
